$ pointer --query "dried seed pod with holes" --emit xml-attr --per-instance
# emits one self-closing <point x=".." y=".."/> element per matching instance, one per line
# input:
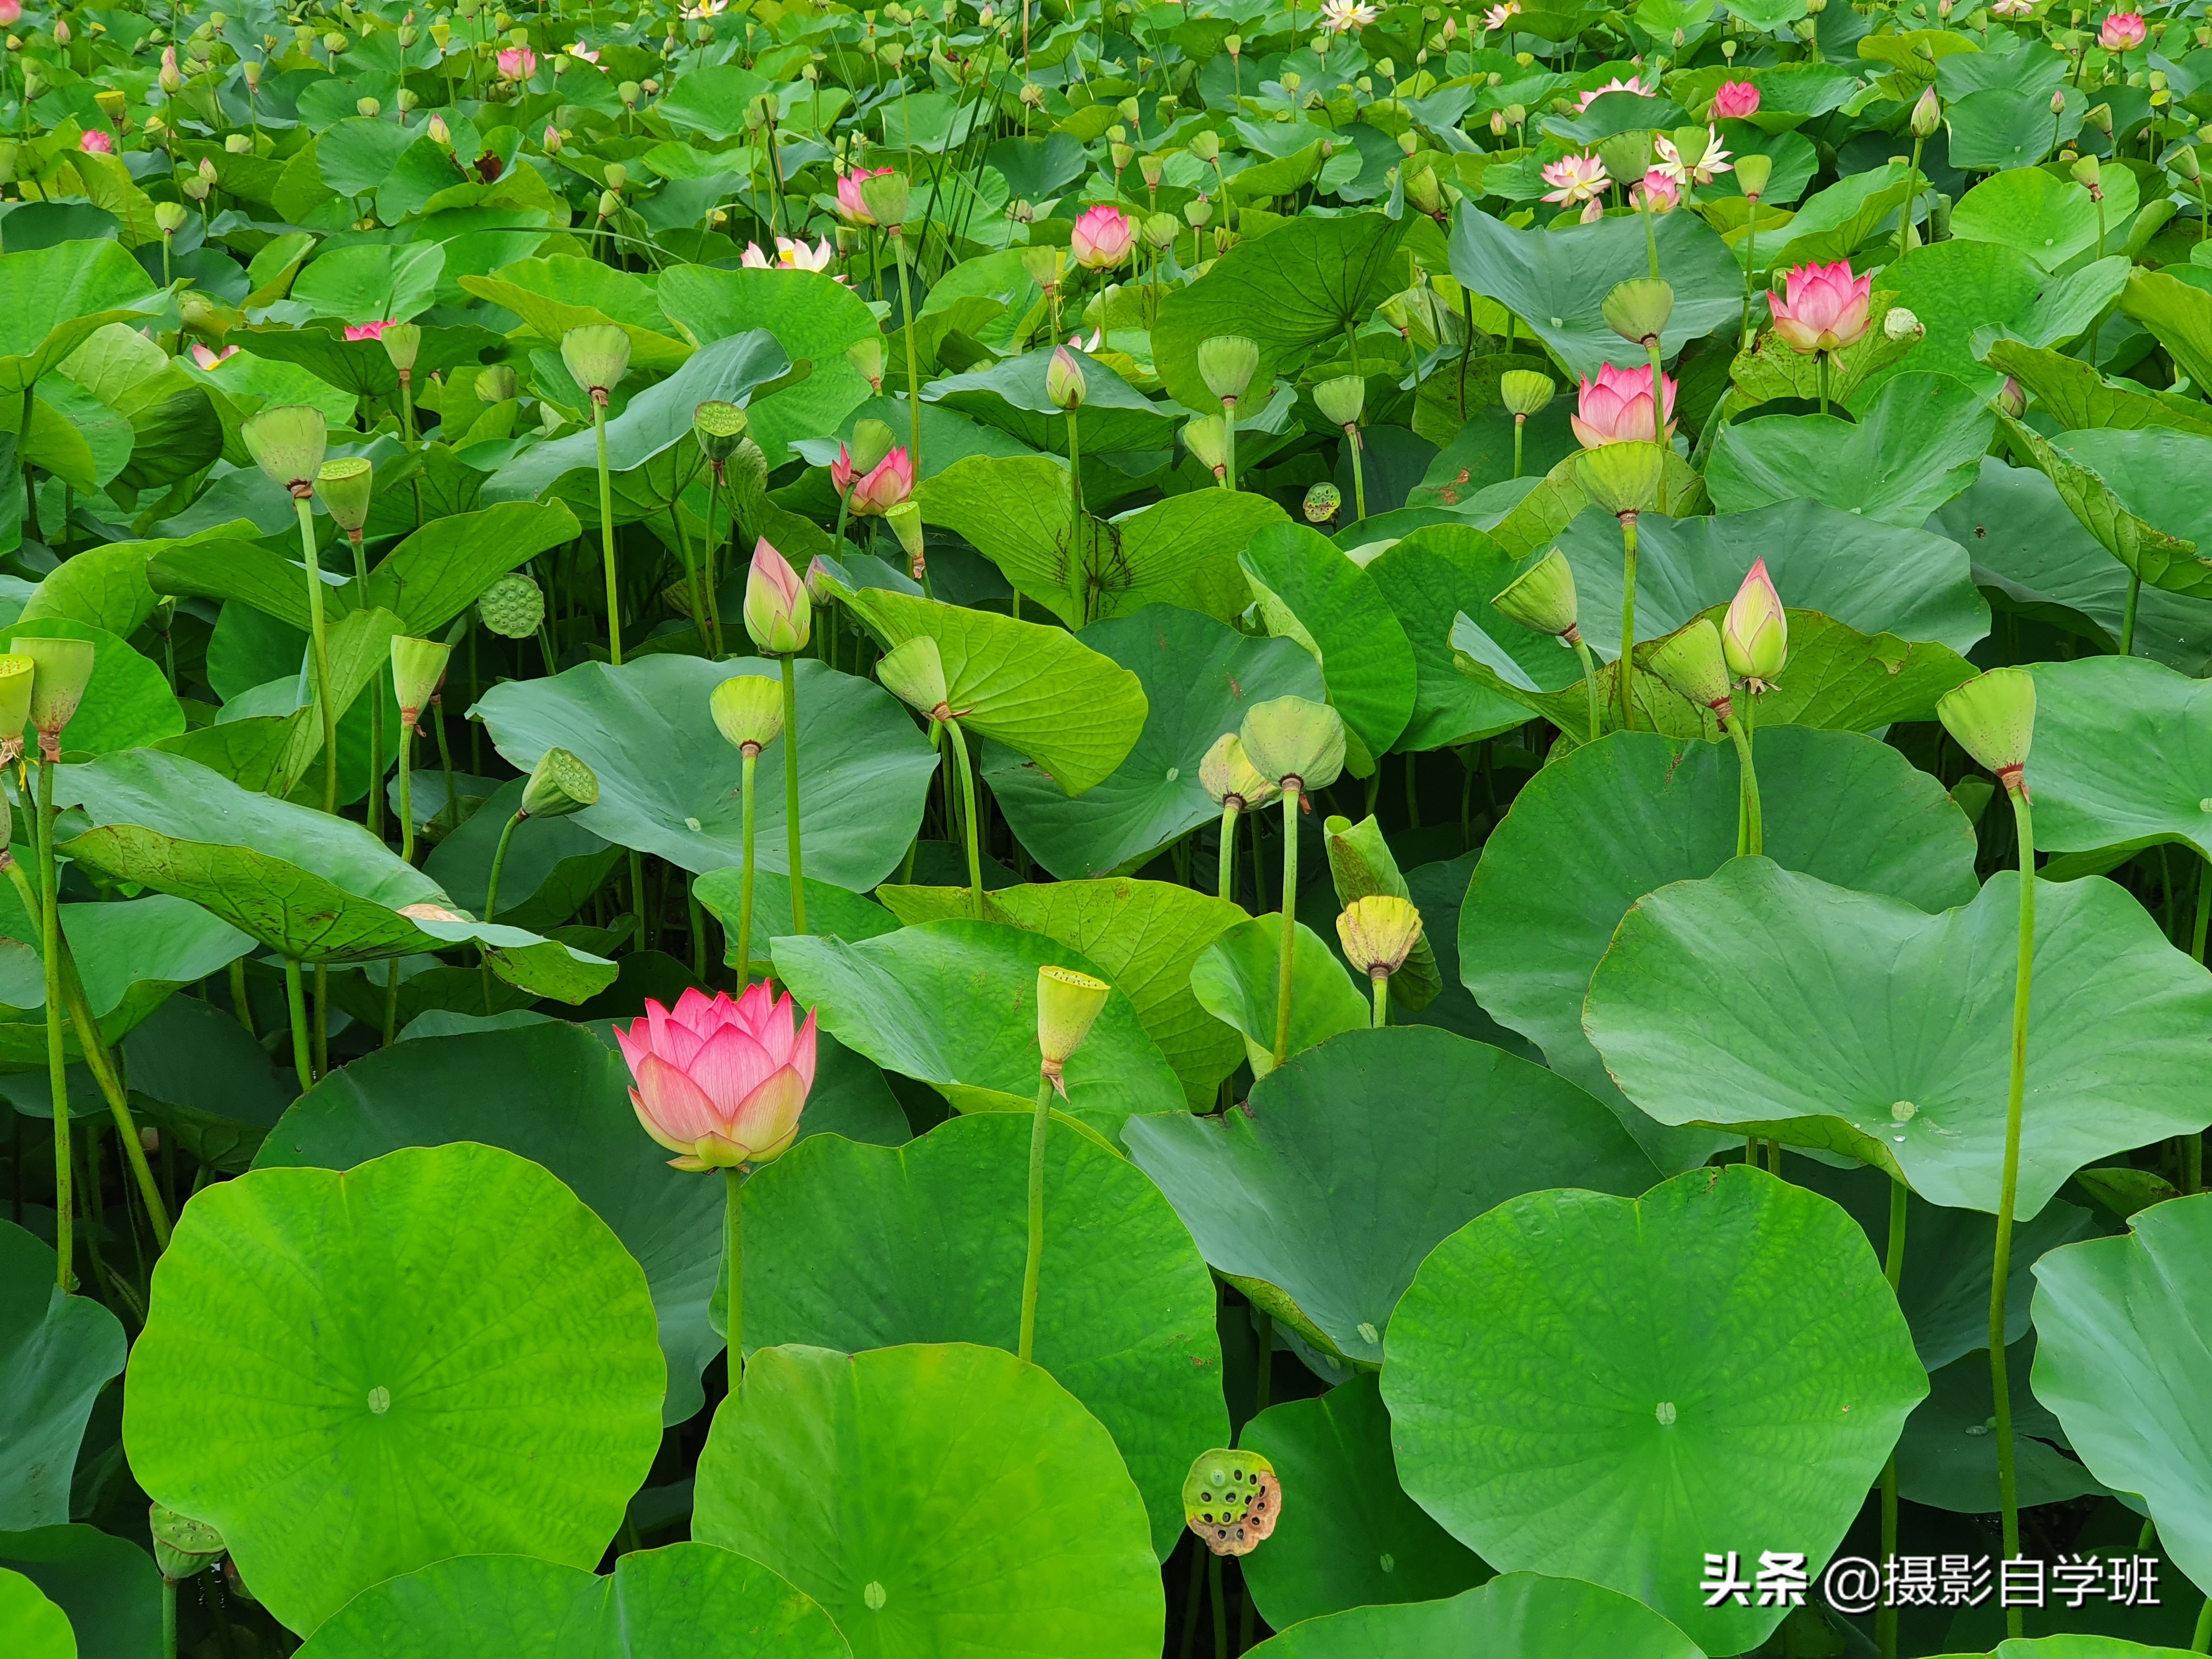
<point x="1231" y="1500"/>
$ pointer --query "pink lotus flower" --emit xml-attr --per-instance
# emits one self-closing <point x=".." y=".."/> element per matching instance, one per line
<point x="1576" y="179"/>
<point x="2013" y="8"/>
<point x="518" y="63"/>
<point x="1735" y="100"/>
<point x="1498" y="16"/>
<point x="369" y="330"/>
<point x="1616" y="407"/>
<point x="791" y="256"/>
<point x="578" y="49"/>
<point x="2124" y="31"/>
<point x="1616" y="84"/>
<point x="879" y="491"/>
<point x="11" y="13"/>
<point x="1344" y="16"/>
<point x="207" y="358"/>
<point x="1657" y="192"/>
<point x="720" y="1081"/>
<point x="850" y="208"/>
<point x="97" y="143"/>
<point x="1824" y="308"/>
<point x="1102" y="238"/>
<point x="1692" y="169"/>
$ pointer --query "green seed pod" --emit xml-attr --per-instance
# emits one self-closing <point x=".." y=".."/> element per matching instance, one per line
<point x="1993" y="718"/>
<point x="287" y="443"/>
<point x="511" y="607"/>
<point x="1637" y="309"/>
<point x="1693" y="665"/>
<point x="16" y="674"/>
<point x="1294" y="742"/>
<point x="1231" y="1500"/>
<point x="1227" y="363"/>
<point x="720" y="427"/>
<point x="1752" y="173"/>
<point x="1067" y="1004"/>
<point x="1342" y="400"/>
<point x="887" y="197"/>
<point x="598" y="357"/>
<point x="1378" y="933"/>
<point x="872" y="439"/>
<point x="1622" y="479"/>
<point x="1626" y="155"/>
<point x="559" y="784"/>
<point x="183" y="1547"/>
<point x="345" y="485"/>
<point x="417" y="665"/>
<point x="1542" y="597"/>
<point x="1207" y="441"/>
<point x="748" y="708"/>
<point x="914" y="673"/>
<point x="1227" y="774"/>
<point x="1321" y="503"/>
<point x="1525" y="391"/>
<point x="402" y="343"/>
<point x="65" y="669"/>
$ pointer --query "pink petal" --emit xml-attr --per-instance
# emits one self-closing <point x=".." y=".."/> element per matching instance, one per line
<point x="672" y="1101"/>
<point x="802" y="1051"/>
<point x="645" y="1118"/>
<point x="766" y="1123"/>
<point x="728" y="1066"/>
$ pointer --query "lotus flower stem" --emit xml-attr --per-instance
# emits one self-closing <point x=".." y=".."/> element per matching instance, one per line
<point x="1626" y="670"/>
<point x="2201" y="1642"/>
<point x="491" y="898"/>
<point x="49" y="913"/>
<point x="444" y="756"/>
<point x="1894" y="1269"/>
<point x="791" y="792"/>
<point x="1381" y="1000"/>
<point x="1751" y="822"/>
<point x="751" y="756"/>
<point x="1075" y="482"/>
<point x="1750" y="264"/>
<point x="1221" y="1607"/>
<point x="407" y="789"/>
<point x="2008" y="1187"/>
<point x="1033" y="1269"/>
<point x="295" y="1000"/>
<point x="734" y="1268"/>
<point x="239" y="1005"/>
<point x="1359" y="472"/>
<point x="376" y="809"/>
<point x="1589" y="686"/>
<point x="1291" y="788"/>
<point x="2128" y="616"/>
<point x="1821" y="376"/>
<point x="1651" y="234"/>
<point x="1226" y="886"/>
<point x="607" y="533"/>
<point x="321" y="652"/>
<point x="913" y="372"/>
<point x="1229" y="443"/>
<point x="957" y="743"/>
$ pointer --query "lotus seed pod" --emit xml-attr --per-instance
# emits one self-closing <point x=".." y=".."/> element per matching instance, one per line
<point x="914" y="673"/>
<point x="497" y="384"/>
<point x="867" y="357"/>
<point x="1637" y="309"/>
<point x="1525" y="390"/>
<point x="1227" y="774"/>
<point x="886" y="196"/>
<point x="1341" y="400"/>
<point x="183" y="1547"/>
<point x="1206" y="145"/>
<point x="287" y="442"/>
<point x="402" y="343"/>
<point x="872" y="439"/>
<point x="345" y="485"/>
<point x="1693" y="665"/>
<point x="2185" y="162"/>
<point x="905" y="520"/>
<point x="720" y="428"/>
<point x="1231" y="1500"/>
<point x="417" y="665"/>
<point x="1626" y="155"/>
<point x="1067" y="1004"/>
<point x="1321" y="503"/>
<point x="1063" y="379"/>
<point x="558" y="785"/>
<point x="1378" y="933"/>
<point x="748" y="709"/>
<point x="1161" y="231"/>
<point x="1753" y="173"/>
<point x="1542" y="597"/>
<point x="169" y="217"/>
<point x="1207" y="441"/>
<point x="1227" y="363"/>
<point x="1294" y="743"/>
<point x="511" y="607"/>
<point x="16" y="673"/>
<point x="1898" y="324"/>
<point x="1623" y="478"/>
<point x="616" y="176"/>
<point x="1993" y="718"/>
<point x="1756" y="633"/>
<point x="58" y="684"/>
<point x="598" y="357"/>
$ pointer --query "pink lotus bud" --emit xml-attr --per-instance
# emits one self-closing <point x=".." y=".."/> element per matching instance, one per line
<point x="1825" y="308"/>
<point x="721" y="1081"/>
<point x="369" y="330"/>
<point x="96" y="142"/>
<point x="778" y="614"/>
<point x="2124" y="31"/>
<point x="1102" y="238"/>
<point x="850" y="208"/>
<point x="1616" y="407"/>
<point x="1735" y="100"/>
<point x="1755" y="634"/>
<point x="884" y="487"/>
<point x="439" y="133"/>
<point x="518" y="63"/>
<point x="1657" y="192"/>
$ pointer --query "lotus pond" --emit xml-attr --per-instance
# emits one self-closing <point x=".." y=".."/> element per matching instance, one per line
<point x="1105" y="831"/>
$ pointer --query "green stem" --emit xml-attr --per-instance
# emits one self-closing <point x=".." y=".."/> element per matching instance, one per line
<point x="1912" y="195"/>
<point x="1626" y="667"/>
<point x="955" y="741"/>
<point x="375" y="812"/>
<point x="1894" y="1269"/>
<point x="1033" y="1269"/>
<point x="239" y="1005"/>
<point x="1226" y="886"/>
<point x="56" y="1060"/>
<point x="1820" y="374"/>
<point x="1359" y="472"/>
<point x="168" y="1617"/>
<point x="1752" y="820"/>
<point x="1659" y="418"/>
<point x="791" y="792"/>
<point x="1221" y="1607"/>
<point x="2008" y="1187"/>
<point x="751" y="757"/>
<point x="2128" y="616"/>
<point x="321" y="652"/>
<point x="1229" y="443"/>
<point x="1381" y="1000"/>
<point x="607" y="533"/>
<point x="913" y="369"/>
<point x="491" y="899"/>
<point x="1750" y="264"/>
<point x="2202" y="1641"/>
<point x="295" y="1000"/>
<point x="1590" y="687"/>
<point x="733" y="1269"/>
<point x="1519" y="422"/>
<point x="407" y="793"/>
<point x="1650" y="237"/>
<point x="1283" y="960"/>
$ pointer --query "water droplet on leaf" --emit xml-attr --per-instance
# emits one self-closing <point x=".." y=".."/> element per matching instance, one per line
<point x="1902" y="1111"/>
<point x="1368" y="1333"/>
<point x="873" y="1595"/>
<point x="379" y="1400"/>
<point x="1389" y="1562"/>
<point x="1665" y="1414"/>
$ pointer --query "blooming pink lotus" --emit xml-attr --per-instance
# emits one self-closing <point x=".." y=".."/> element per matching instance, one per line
<point x="1687" y="169"/>
<point x="791" y="255"/>
<point x="97" y="143"/>
<point x="1574" y="178"/>
<point x="1102" y="238"/>
<point x="1616" y="407"/>
<point x="850" y="208"/>
<point x="879" y="491"/>
<point x="207" y="357"/>
<point x="369" y="330"/>
<point x="518" y="63"/>
<point x="1498" y="17"/>
<point x="11" y="13"/>
<point x="1735" y="100"/>
<point x="2124" y="31"/>
<point x="1585" y="99"/>
<point x="578" y="49"/>
<point x="1656" y="191"/>
<point x="721" y="1080"/>
<point x="1823" y="308"/>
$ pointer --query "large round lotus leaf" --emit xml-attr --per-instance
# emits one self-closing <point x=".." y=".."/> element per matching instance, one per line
<point x="1777" y="1004"/>
<point x="1593" y="832"/>
<point x="1322" y="1197"/>
<point x="1519" y="1615"/>
<point x="1312" y="592"/>
<point x="1426" y="579"/>
<point x="655" y="1604"/>
<point x="953" y="1004"/>
<point x="1610" y="1387"/>
<point x="2123" y="1326"/>
<point x="1350" y="1537"/>
<point x="108" y="1587"/>
<point x="1198" y="677"/>
<point x="57" y="1352"/>
<point x="32" y="1627"/>
<point x="941" y="1502"/>
<point x="2121" y="756"/>
<point x="554" y="1094"/>
<point x="669" y="781"/>
<point x="1238" y="977"/>
<point x="853" y="1248"/>
<point x="2078" y="1646"/>
<point x="441" y="1352"/>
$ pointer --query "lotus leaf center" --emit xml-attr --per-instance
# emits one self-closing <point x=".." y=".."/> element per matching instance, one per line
<point x="379" y="1399"/>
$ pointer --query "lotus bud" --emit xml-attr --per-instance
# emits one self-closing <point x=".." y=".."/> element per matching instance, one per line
<point x="1637" y="309"/>
<point x="288" y="443"/>
<point x="1068" y="1004"/>
<point x="1231" y="1500"/>
<point x="1526" y="392"/>
<point x="598" y="357"/>
<point x="1207" y="439"/>
<point x="511" y="607"/>
<point x="1227" y="362"/>
<point x="887" y="197"/>
<point x="779" y="616"/>
<point x="1295" y="744"/>
<point x="1063" y="379"/>
<point x="2058" y="101"/>
<point x="914" y="673"/>
<point x="344" y="486"/>
<point x="402" y="343"/>
<point x="1378" y="933"/>
<point x="439" y="133"/>
<point x="1694" y="663"/>
<point x="1993" y="718"/>
<point x="748" y="710"/>
<point x="1927" y="115"/>
<point x="64" y="668"/>
<point x="238" y="144"/>
<point x="559" y="784"/>
<point x="1623" y="478"/>
<point x="15" y="677"/>
<point x="1541" y="598"/>
<point x="2012" y="399"/>
<point x="183" y="1547"/>
<point x="720" y="427"/>
<point x="905" y="520"/>
<point x="497" y="384"/>
<point x="1341" y="400"/>
<point x="1753" y="172"/>
<point x="169" y="217"/>
<point x="1321" y="503"/>
<point x="61" y="31"/>
<point x="1756" y="630"/>
<point x="417" y="666"/>
<point x="872" y="439"/>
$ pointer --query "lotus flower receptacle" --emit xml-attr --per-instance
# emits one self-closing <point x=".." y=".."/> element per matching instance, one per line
<point x="1068" y="1005"/>
<point x="1207" y="439"/>
<point x="1638" y="310"/>
<point x="511" y="607"/>
<point x="1294" y="743"/>
<point x="287" y="443"/>
<point x="872" y="439"/>
<point x="1525" y="391"/>
<point x="887" y="196"/>
<point x="1378" y="933"/>
<point x="57" y="685"/>
<point x="748" y="711"/>
<point x="17" y="674"/>
<point x="914" y="673"/>
<point x="417" y="666"/>
<point x="1623" y="478"/>
<point x="1321" y="503"/>
<point x="1227" y="362"/>
<point x="1993" y="718"/>
<point x="597" y="357"/>
<point x="345" y="486"/>
<point x="1341" y="400"/>
<point x="1231" y="1500"/>
<point x="867" y="357"/>
<point x="1752" y="173"/>
<point x="558" y="785"/>
<point x="1627" y="155"/>
<point x="1756" y="633"/>
<point x="1694" y="665"/>
<point x="1541" y="598"/>
<point x="1227" y="774"/>
<point x="402" y="343"/>
<point x="183" y="1547"/>
<point x="720" y="427"/>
